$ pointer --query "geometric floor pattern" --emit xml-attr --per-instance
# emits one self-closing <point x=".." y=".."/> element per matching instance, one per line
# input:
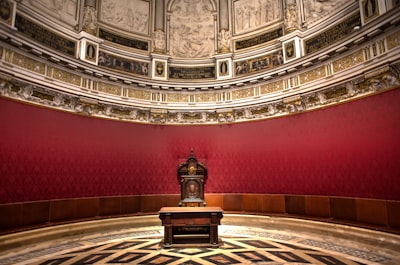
<point x="239" y="245"/>
<point x="234" y="250"/>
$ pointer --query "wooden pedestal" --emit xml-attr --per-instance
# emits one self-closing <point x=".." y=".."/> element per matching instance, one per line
<point x="185" y="226"/>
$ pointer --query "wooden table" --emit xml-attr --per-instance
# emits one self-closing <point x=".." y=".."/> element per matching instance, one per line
<point x="190" y="225"/>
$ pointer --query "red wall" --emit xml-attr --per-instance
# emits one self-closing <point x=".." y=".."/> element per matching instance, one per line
<point x="347" y="150"/>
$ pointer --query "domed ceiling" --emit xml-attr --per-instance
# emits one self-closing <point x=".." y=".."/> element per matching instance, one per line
<point x="197" y="61"/>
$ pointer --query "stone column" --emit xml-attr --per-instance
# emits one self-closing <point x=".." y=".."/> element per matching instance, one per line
<point x="223" y="15"/>
<point x="159" y="15"/>
<point x="224" y="35"/>
<point x="291" y="18"/>
<point x="89" y="42"/>
<point x="89" y="23"/>
<point x="159" y="28"/>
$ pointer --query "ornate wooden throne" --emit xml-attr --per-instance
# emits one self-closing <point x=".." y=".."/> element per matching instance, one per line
<point x="191" y="176"/>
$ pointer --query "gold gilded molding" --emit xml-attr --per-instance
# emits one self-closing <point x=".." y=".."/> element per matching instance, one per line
<point x="243" y="93"/>
<point x="49" y="72"/>
<point x="312" y="75"/>
<point x="348" y="61"/>
<point x="29" y="64"/>
<point x="336" y="93"/>
<point x="172" y="116"/>
<point x="109" y="89"/>
<point x="212" y="116"/>
<point x="8" y="55"/>
<point x="121" y="112"/>
<point x="260" y="111"/>
<point x="207" y="97"/>
<point x="191" y="116"/>
<point x="42" y="95"/>
<point x="377" y="72"/>
<point x="393" y="40"/>
<point x="376" y="81"/>
<point x="67" y="77"/>
<point x="45" y="36"/>
<point x="332" y="34"/>
<point x="138" y="94"/>
<point x="272" y="87"/>
<point x="177" y="98"/>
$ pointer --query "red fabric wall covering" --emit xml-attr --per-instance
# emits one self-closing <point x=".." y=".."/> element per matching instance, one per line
<point x="351" y="150"/>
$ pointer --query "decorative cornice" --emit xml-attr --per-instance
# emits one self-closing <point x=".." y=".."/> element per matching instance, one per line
<point x="364" y="63"/>
<point x="370" y="83"/>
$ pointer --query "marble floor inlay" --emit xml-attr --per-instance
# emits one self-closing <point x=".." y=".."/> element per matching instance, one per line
<point x="239" y="245"/>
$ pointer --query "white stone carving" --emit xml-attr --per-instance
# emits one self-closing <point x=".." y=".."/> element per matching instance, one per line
<point x="130" y="15"/>
<point x="159" y="41"/>
<point x="203" y="117"/>
<point x="375" y="84"/>
<point x="247" y="113"/>
<point x="58" y="100"/>
<point x="26" y="91"/>
<point x="108" y="110"/>
<point x="63" y="10"/>
<point x="251" y="14"/>
<point x="317" y="10"/>
<point x="350" y="89"/>
<point x="271" y="110"/>
<point x="134" y="114"/>
<point x="390" y="80"/>
<point x="224" y="41"/>
<point x="291" y="108"/>
<point x="179" y="117"/>
<point x="79" y="108"/>
<point x="90" y="20"/>
<point x="191" y="29"/>
<point x="291" y="22"/>
<point x="322" y="98"/>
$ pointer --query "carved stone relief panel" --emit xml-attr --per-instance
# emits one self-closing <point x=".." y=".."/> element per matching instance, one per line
<point x="371" y="9"/>
<point x="317" y="10"/>
<point x="129" y="15"/>
<point x="7" y="12"/>
<point x="63" y="10"/>
<point x="192" y="29"/>
<point x="251" y="14"/>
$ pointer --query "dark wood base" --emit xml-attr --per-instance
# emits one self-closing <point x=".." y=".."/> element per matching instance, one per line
<point x="184" y="226"/>
<point x="190" y="244"/>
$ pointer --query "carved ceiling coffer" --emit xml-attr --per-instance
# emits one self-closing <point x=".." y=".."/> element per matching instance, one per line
<point x="192" y="176"/>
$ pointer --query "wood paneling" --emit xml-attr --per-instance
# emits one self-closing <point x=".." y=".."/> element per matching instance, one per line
<point x="11" y="215"/>
<point x="214" y="199"/>
<point x="380" y="213"/>
<point x="317" y="206"/>
<point x="343" y="208"/>
<point x="371" y="211"/>
<point x="110" y="206"/>
<point x="295" y="204"/>
<point x="151" y="203"/>
<point x="393" y="210"/>
<point x="130" y="204"/>
<point x="61" y="210"/>
<point x="273" y="203"/>
<point x="252" y="202"/>
<point x="35" y="212"/>
<point x="171" y="200"/>
<point x="232" y="202"/>
<point x="87" y="207"/>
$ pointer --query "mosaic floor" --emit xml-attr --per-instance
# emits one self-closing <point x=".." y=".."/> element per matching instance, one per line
<point x="239" y="245"/>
